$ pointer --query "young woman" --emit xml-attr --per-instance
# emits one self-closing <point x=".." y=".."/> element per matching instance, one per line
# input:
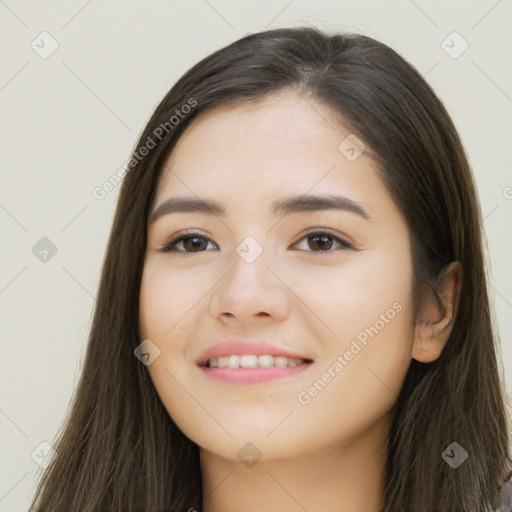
<point x="293" y="311"/>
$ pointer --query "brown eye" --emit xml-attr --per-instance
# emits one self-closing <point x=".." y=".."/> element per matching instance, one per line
<point x="191" y="243"/>
<point x="323" y="241"/>
<point x="319" y="242"/>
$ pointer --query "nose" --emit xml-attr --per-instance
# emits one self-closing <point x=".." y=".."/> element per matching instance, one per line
<point x="250" y="290"/>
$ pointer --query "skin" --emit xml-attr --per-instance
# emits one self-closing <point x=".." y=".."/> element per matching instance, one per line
<point x="329" y="453"/>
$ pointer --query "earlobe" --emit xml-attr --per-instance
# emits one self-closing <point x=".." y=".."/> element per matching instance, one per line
<point x="430" y="339"/>
<point x="436" y="313"/>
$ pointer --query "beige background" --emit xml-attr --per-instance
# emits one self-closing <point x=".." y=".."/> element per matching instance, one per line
<point x="71" y="119"/>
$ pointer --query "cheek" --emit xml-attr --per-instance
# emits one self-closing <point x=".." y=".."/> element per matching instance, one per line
<point x="368" y="308"/>
<point x="166" y="318"/>
<point x="167" y="302"/>
<point x="366" y="289"/>
<point x="359" y="379"/>
<point x="167" y="306"/>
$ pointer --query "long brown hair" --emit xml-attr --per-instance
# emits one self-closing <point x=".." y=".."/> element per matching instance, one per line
<point x="119" y="448"/>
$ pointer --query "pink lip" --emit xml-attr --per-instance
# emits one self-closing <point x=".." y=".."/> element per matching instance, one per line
<point x="226" y="348"/>
<point x="252" y="375"/>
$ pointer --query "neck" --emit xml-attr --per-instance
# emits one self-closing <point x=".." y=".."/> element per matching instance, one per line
<point x="345" y="478"/>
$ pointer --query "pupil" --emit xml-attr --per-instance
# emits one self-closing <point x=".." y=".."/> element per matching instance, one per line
<point x="322" y="237"/>
<point x="195" y="241"/>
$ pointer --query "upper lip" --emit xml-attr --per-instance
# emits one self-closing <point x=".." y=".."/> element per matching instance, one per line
<point x="229" y="347"/>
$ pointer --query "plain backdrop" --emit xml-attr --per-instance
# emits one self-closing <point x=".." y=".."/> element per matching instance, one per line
<point x="70" y="119"/>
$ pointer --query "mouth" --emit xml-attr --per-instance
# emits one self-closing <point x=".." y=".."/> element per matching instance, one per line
<point x="253" y="369"/>
<point x="247" y="361"/>
<point x="238" y="362"/>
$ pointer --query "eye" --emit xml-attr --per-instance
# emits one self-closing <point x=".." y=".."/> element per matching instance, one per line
<point x="321" y="241"/>
<point x="191" y="241"/>
<point x="196" y="243"/>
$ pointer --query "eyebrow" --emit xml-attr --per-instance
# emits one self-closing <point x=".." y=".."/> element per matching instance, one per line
<point x="284" y="206"/>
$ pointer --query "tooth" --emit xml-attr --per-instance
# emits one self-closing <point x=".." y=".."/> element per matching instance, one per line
<point x="280" y="362"/>
<point x="233" y="362"/>
<point x="249" y="361"/>
<point x="223" y="361"/>
<point x="253" y="361"/>
<point x="266" y="361"/>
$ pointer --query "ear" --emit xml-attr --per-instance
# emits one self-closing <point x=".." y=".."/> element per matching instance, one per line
<point x="436" y="312"/>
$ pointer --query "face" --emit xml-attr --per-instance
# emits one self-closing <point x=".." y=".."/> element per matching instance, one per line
<point x="331" y="285"/>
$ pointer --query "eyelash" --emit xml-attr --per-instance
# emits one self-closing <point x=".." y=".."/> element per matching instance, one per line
<point x="171" y="245"/>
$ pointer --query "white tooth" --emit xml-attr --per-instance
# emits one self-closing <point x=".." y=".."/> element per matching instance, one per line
<point x="222" y="361"/>
<point x="233" y="362"/>
<point x="280" y="362"/>
<point x="266" y="361"/>
<point x="247" y="361"/>
<point x="253" y="361"/>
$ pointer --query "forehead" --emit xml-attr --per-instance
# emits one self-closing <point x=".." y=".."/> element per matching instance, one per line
<point x="279" y="142"/>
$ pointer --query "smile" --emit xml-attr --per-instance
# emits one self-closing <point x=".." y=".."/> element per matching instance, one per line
<point x="251" y="369"/>
<point x="254" y="361"/>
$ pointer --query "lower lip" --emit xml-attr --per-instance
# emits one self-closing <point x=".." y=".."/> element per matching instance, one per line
<point x="252" y="375"/>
